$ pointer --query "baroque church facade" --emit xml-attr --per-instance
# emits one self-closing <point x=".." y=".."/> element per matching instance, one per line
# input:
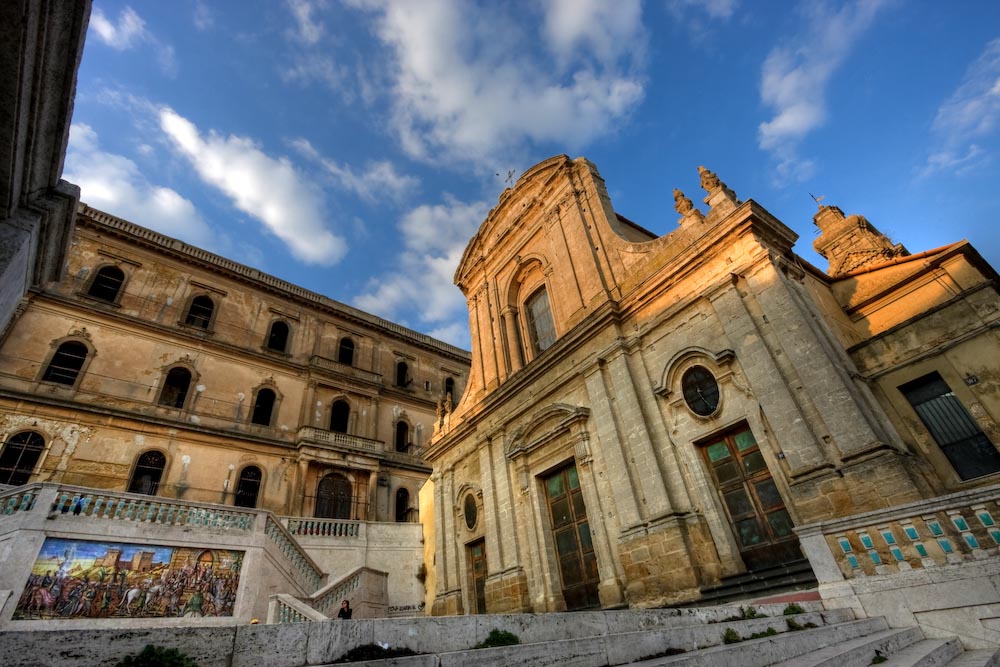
<point x="157" y="368"/>
<point x="646" y="415"/>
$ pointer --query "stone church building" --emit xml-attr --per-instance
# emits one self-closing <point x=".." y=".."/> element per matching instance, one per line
<point x="647" y="415"/>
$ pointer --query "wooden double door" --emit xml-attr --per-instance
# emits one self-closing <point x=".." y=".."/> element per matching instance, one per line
<point x="573" y="543"/>
<point x="753" y="504"/>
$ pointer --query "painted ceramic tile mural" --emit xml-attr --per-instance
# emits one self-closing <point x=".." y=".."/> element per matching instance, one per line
<point x="82" y="579"/>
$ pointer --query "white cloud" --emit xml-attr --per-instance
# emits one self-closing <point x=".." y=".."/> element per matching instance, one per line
<point x="308" y="29"/>
<point x="319" y="68"/>
<point x="130" y="31"/>
<point x="716" y="9"/>
<point x="114" y="184"/>
<point x="435" y="238"/>
<point x="795" y="76"/>
<point x="970" y="113"/>
<point x="266" y="188"/>
<point x="203" y="18"/>
<point x="597" y="27"/>
<point x="378" y="181"/>
<point x="466" y="85"/>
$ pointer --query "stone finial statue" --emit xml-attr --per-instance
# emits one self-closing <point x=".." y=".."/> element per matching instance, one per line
<point x="709" y="181"/>
<point x="447" y="403"/>
<point x="682" y="204"/>
<point x="440" y="412"/>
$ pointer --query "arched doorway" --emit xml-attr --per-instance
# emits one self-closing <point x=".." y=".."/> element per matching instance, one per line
<point x="334" y="497"/>
<point x="340" y="415"/>
<point x="147" y="473"/>
<point x="248" y="487"/>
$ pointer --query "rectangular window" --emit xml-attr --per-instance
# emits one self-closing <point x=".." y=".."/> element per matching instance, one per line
<point x="958" y="435"/>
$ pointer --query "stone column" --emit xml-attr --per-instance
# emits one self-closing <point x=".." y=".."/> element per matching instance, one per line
<point x="372" y="429"/>
<point x="513" y="339"/>
<point x="299" y="505"/>
<point x="633" y="434"/>
<point x="619" y="470"/>
<point x="608" y="565"/>
<point x="773" y="379"/>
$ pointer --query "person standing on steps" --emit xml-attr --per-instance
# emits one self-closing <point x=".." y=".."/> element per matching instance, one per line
<point x="345" y="610"/>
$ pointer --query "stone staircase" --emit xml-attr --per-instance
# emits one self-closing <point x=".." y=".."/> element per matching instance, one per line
<point x="791" y="576"/>
<point x="694" y="637"/>
<point x="689" y="638"/>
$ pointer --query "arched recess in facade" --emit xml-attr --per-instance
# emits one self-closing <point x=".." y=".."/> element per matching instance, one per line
<point x="528" y="279"/>
<point x="705" y="442"/>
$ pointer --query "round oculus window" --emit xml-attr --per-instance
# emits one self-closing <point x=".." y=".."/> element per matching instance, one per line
<point x="701" y="391"/>
<point x="471" y="511"/>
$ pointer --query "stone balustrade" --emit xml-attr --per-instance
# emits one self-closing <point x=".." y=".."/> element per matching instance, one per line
<point x="309" y="527"/>
<point x="308" y="573"/>
<point x="949" y="529"/>
<point x="931" y="563"/>
<point x="18" y="499"/>
<point x="283" y="608"/>
<point x="329" y="598"/>
<point x="312" y="435"/>
<point x="366" y="588"/>
<point x="149" y="509"/>
<point x="344" y="369"/>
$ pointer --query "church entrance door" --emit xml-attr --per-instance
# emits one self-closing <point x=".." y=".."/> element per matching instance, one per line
<point x="477" y="572"/>
<point x="571" y="533"/>
<point x="755" y="508"/>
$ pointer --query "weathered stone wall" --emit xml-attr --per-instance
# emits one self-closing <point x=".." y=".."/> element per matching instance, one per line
<point x="97" y="426"/>
<point x="632" y="313"/>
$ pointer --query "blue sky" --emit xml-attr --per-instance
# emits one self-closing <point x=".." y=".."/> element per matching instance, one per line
<point x="354" y="147"/>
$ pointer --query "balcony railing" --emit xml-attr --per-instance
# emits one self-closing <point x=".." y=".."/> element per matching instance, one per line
<point x="951" y="529"/>
<point x="309" y="527"/>
<point x="322" y="437"/>
<point x="345" y="369"/>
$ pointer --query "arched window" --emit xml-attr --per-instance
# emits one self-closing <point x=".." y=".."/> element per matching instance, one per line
<point x="402" y="505"/>
<point x="19" y="457"/>
<point x="333" y="497"/>
<point x="449" y="388"/>
<point x="402" y="436"/>
<point x="263" y="407"/>
<point x="107" y="283"/>
<point x="248" y="488"/>
<point x="147" y="473"/>
<point x="539" y="319"/>
<point x="345" y="352"/>
<point x="402" y="374"/>
<point x="64" y="368"/>
<point x="200" y="312"/>
<point x="175" y="387"/>
<point x="277" y="338"/>
<point x="340" y="413"/>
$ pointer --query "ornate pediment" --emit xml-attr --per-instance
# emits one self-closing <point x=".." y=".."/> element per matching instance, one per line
<point x="545" y="426"/>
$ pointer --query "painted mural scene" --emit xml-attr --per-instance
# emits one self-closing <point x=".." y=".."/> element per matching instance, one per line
<point x="81" y="579"/>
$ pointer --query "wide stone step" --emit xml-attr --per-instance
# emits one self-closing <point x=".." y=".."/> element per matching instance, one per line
<point x="858" y="652"/>
<point x="926" y="653"/>
<point x="773" y="650"/>
<point x="977" y="658"/>
<point x="628" y="647"/>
